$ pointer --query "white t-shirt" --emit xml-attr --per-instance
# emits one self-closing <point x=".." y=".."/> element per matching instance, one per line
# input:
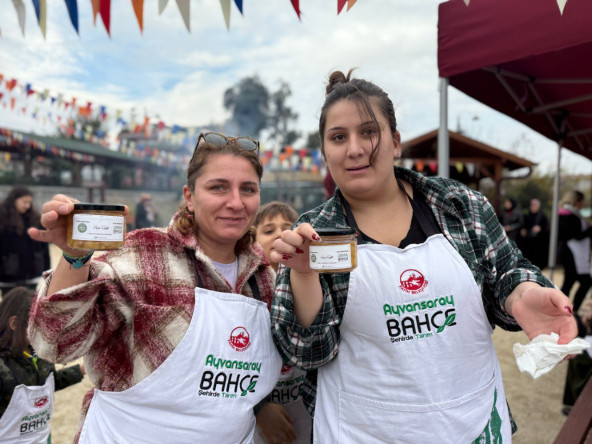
<point x="229" y="271"/>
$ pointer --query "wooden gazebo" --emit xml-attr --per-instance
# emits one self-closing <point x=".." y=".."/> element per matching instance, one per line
<point x="487" y="161"/>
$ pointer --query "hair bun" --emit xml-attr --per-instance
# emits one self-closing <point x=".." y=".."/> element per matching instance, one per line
<point x="336" y="78"/>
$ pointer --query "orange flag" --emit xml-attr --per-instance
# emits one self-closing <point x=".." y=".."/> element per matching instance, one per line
<point x="95" y="6"/>
<point x="350" y="3"/>
<point x="139" y="10"/>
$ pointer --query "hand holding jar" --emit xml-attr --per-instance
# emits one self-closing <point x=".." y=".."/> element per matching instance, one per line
<point x="326" y="250"/>
<point x="55" y="218"/>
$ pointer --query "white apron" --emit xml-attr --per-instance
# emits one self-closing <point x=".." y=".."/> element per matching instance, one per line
<point x="26" y="419"/>
<point x="580" y="250"/>
<point x="205" y="390"/>
<point x="287" y="393"/>
<point x="416" y="362"/>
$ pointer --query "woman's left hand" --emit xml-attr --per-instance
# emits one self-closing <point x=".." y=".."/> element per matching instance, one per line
<point x="539" y="310"/>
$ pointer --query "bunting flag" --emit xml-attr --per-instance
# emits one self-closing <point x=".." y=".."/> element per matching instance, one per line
<point x="183" y="6"/>
<point x="20" y="12"/>
<point x="105" y="12"/>
<point x="138" y="6"/>
<point x="41" y="13"/>
<point x="296" y="6"/>
<point x="561" y="4"/>
<point x="161" y="5"/>
<point x="225" y="4"/>
<point x="73" y="13"/>
<point x="467" y="2"/>
<point x="102" y="8"/>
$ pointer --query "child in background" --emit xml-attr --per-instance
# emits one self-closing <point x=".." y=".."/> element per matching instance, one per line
<point x="271" y="220"/>
<point x="27" y="383"/>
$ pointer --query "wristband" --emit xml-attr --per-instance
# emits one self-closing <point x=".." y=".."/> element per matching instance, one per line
<point x="78" y="262"/>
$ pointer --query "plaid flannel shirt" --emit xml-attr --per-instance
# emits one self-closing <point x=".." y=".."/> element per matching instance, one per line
<point x="468" y="222"/>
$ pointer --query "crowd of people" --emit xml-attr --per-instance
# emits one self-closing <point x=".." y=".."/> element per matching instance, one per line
<point x="220" y="316"/>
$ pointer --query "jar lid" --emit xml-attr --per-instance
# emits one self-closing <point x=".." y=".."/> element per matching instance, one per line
<point x="98" y="207"/>
<point x="335" y="231"/>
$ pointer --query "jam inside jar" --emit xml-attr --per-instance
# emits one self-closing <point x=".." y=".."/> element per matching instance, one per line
<point x="96" y="226"/>
<point x="335" y="252"/>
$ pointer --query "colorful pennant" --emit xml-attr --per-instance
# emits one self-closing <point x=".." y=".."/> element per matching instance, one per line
<point x="183" y="6"/>
<point x="41" y="13"/>
<point x="138" y="6"/>
<point x="105" y="13"/>
<point x="296" y="6"/>
<point x="225" y="4"/>
<point x="73" y="13"/>
<point x="20" y="12"/>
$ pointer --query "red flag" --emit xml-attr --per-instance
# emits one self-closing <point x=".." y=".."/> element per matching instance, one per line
<point x="296" y="5"/>
<point x="105" y="11"/>
<point x="340" y="5"/>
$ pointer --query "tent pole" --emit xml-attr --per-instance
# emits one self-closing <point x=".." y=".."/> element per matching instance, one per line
<point x="555" y="214"/>
<point x="443" y="137"/>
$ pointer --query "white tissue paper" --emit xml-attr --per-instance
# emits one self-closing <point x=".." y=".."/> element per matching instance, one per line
<point x="543" y="353"/>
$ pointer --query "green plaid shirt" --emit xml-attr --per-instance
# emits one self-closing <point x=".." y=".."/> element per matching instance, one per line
<point x="468" y="222"/>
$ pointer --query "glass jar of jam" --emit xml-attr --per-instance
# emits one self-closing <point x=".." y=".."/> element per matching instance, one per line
<point x="96" y="226"/>
<point x="335" y="252"/>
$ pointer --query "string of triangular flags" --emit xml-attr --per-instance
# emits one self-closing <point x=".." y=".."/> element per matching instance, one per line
<point x="560" y="3"/>
<point x="102" y="9"/>
<point x="146" y="135"/>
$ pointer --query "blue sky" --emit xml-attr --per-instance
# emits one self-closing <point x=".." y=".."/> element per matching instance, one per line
<point x="181" y="76"/>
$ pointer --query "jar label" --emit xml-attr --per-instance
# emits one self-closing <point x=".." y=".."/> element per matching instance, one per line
<point x="90" y="227"/>
<point x="327" y="257"/>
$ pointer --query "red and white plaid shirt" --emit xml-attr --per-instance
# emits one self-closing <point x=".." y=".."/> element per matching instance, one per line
<point x="136" y="306"/>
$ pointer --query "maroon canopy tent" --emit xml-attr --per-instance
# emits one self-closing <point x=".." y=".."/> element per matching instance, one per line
<point x="527" y="59"/>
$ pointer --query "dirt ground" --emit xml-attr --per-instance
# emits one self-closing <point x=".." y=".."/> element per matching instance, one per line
<point x="535" y="403"/>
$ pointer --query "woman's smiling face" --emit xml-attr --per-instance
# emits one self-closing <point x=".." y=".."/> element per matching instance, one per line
<point x="348" y="141"/>
<point x="224" y="201"/>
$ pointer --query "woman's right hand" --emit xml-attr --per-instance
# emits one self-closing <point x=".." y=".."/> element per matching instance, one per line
<point x="54" y="219"/>
<point x="291" y="249"/>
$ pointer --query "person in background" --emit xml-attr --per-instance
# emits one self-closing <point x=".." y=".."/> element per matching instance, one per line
<point x="511" y="219"/>
<point x="579" y="368"/>
<point x="146" y="214"/>
<point x="22" y="259"/>
<point x="27" y="383"/>
<point x="574" y="235"/>
<point x="174" y="325"/>
<point x="272" y="219"/>
<point x="400" y="348"/>
<point x="534" y="235"/>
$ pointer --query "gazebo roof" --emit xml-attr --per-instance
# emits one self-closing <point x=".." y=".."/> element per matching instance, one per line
<point x="462" y="149"/>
